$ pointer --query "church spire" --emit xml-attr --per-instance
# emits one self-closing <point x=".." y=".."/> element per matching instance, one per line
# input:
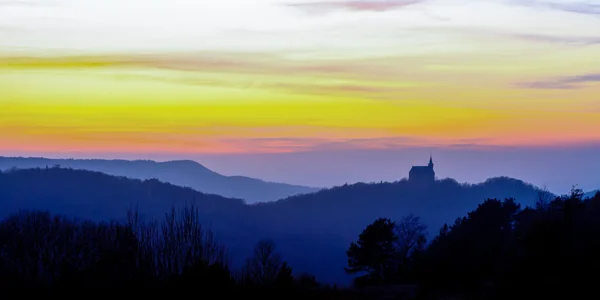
<point x="430" y="161"/>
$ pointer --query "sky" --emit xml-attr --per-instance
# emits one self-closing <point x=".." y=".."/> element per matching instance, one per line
<point x="309" y="92"/>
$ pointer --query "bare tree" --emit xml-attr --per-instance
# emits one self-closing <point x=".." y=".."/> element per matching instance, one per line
<point x="46" y="249"/>
<point x="543" y="199"/>
<point x="180" y="242"/>
<point x="576" y="193"/>
<point x="43" y="248"/>
<point x="148" y="238"/>
<point x="411" y="235"/>
<point x="265" y="264"/>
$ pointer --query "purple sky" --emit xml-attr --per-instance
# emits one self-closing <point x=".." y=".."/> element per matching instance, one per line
<point x="556" y="168"/>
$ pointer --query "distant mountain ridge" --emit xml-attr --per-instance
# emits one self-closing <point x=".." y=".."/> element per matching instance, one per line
<point x="186" y="173"/>
<point x="591" y="194"/>
<point x="97" y="196"/>
<point x="322" y="223"/>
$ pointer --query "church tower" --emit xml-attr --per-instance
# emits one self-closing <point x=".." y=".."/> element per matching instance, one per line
<point x="422" y="174"/>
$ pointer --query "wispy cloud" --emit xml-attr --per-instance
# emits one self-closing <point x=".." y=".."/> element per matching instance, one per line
<point x="270" y="145"/>
<point x="557" y="39"/>
<point x="356" y="5"/>
<point x="34" y="3"/>
<point x="236" y="63"/>
<point x="367" y="79"/>
<point x="363" y="90"/>
<point x="580" y="7"/>
<point x="570" y="82"/>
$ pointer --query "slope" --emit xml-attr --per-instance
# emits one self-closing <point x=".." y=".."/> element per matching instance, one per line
<point x="312" y="231"/>
<point x="185" y="173"/>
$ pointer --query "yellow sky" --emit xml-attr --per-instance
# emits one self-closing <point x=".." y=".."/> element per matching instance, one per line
<point x="471" y="80"/>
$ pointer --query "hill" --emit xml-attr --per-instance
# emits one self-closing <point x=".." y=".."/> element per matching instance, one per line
<point x="98" y="196"/>
<point x="185" y="173"/>
<point x="312" y="231"/>
<point x="591" y="194"/>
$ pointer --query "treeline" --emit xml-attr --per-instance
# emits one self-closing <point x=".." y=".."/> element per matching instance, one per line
<point x="498" y="251"/>
<point x="39" y="250"/>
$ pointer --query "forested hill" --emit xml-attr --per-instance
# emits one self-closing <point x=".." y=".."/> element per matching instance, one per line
<point x="185" y="173"/>
<point x="97" y="196"/>
<point x="349" y="207"/>
<point x="324" y="222"/>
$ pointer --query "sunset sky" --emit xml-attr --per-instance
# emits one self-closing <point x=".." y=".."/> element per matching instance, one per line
<point x="187" y="78"/>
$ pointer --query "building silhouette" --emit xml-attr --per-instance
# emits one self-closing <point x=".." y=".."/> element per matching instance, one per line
<point x="422" y="174"/>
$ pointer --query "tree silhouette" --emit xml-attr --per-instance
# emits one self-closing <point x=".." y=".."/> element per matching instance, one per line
<point x="284" y="277"/>
<point x="307" y="281"/>
<point x="265" y="266"/>
<point x="412" y="238"/>
<point x="374" y="252"/>
<point x="543" y="198"/>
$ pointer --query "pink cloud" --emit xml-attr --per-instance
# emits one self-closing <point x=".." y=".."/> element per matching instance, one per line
<point x="357" y="5"/>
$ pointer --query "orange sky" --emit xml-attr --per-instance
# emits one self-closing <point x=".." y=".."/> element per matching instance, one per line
<point x="350" y="77"/>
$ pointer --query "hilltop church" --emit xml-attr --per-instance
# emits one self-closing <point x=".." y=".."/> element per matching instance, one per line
<point x="422" y="174"/>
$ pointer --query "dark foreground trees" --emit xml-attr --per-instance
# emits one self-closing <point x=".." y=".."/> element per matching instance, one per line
<point x="39" y="250"/>
<point x="385" y="249"/>
<point x="266" y="267"/>
<point x="374" y="251"/>
<point x="501" y="251"/>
